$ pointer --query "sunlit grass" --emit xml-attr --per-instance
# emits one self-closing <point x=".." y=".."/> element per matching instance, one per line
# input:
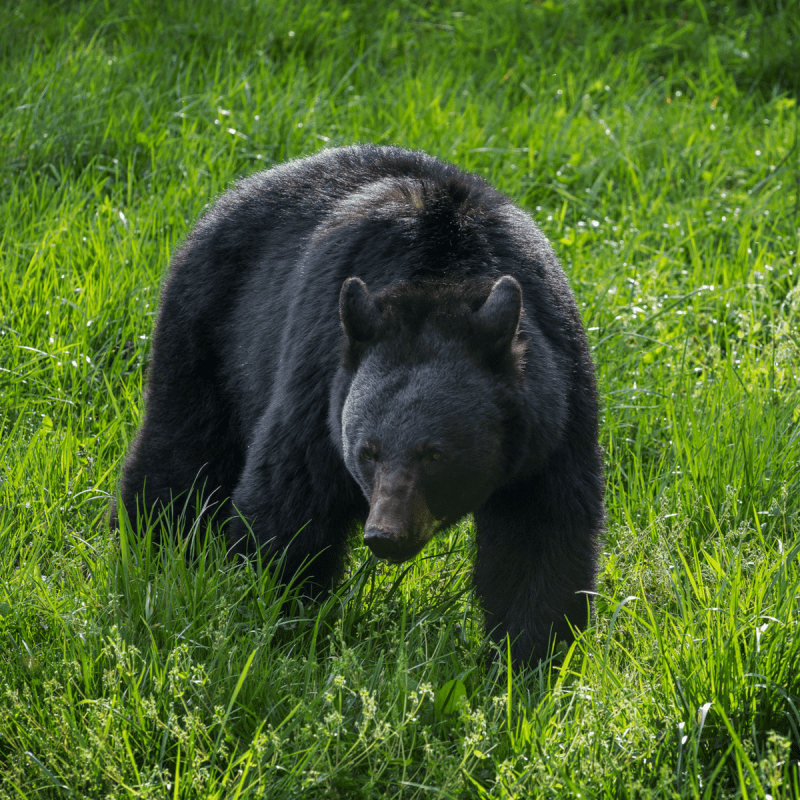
<point x="656" y="146"/>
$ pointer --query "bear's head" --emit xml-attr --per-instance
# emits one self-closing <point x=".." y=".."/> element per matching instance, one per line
<point x="430" y="403"/>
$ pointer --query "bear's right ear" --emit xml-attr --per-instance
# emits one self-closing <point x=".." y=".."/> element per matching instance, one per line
<point x="360" y="315"/>
<point x="499" y="316"/>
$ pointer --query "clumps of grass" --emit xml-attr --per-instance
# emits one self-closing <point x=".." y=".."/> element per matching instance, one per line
<point x="190" y="677"/>
<point x="212" y="677"/>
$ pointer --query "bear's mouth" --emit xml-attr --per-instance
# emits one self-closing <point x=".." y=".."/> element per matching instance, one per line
<point x="396" y="561"/>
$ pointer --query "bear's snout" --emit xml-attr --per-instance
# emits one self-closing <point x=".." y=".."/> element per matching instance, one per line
<point x="399" y="524"/>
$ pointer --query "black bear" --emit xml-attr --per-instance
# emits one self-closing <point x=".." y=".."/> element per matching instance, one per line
<point x="370" y="335"/>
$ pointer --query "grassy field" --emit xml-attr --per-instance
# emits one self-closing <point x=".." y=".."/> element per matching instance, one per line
<point x="656" y="144"/>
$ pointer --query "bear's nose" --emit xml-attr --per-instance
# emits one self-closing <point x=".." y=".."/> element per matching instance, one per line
<point x="386" y="545"/>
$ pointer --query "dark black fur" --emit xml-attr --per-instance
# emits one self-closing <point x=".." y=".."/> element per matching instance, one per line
<point x="402" y="400"/>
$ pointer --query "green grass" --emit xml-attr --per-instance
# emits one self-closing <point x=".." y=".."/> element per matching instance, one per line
<point x="656" y="145"/>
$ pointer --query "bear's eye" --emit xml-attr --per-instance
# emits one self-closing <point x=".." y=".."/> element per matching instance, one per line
<point x="367" y="455"/>
<point x="433" y="455"/>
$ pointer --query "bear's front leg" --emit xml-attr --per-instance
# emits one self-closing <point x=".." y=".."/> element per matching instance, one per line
<point x="534" y="578"/>
<point x="298" y="501"/>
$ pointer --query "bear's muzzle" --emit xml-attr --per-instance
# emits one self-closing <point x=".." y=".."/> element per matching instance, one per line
<point x="400" y="523"/>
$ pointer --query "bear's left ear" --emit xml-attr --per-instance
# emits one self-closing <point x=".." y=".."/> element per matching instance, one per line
<point x="360" y="315"/>
<point x="498" y="317"/>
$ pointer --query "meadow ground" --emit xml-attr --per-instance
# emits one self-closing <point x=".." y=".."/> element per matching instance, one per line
<point x="656" y="144"/>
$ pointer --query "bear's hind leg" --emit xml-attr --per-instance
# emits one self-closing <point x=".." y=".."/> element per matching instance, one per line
<point x="185" y="460"/>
